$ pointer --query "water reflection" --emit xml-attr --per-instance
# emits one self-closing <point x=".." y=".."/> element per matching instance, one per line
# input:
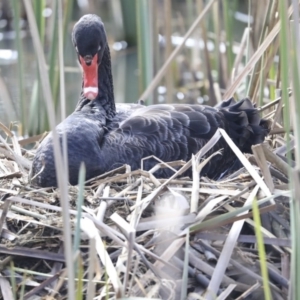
<point x="8" y="56"/>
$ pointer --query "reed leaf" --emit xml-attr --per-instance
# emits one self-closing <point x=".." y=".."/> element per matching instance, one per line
<point x="272" y="76"/>
<point x="23" y="107"/>
<point x="60" y="171"/>
<point x="261" y="82"/>
<point x="168" y="50"/>
<point x="68" y="9"/>
<point x="7" y="101"/>
<point x="261" y="251"/>
<point x="79" y="290"/>
<point x="185" y="268"/>
<point x="80" y="198"/>
<point x="145" y="57"/>
<point x="23" y="284"/>
<point x="295" y="79"/>
<point x="53" y="72"/>
<point x="227" y="11"/>
<point x="203" y="24"/>
<point x="13" y="280"/>
<point x="33" y="108"/>
<point x="295" y="112"/>
<point x="38" y="7"/>
<point x="217" y="29"/>
<point x="255" y="74"/>
<point x="294" y="290"/>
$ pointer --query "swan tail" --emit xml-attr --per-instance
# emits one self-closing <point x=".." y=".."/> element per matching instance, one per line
<point x="244" y="124"/>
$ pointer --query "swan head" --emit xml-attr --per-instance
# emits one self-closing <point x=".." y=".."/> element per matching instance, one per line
<point x="89" y="40"/>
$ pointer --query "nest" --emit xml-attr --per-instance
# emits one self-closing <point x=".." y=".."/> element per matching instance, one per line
<point x="143" y="236"/>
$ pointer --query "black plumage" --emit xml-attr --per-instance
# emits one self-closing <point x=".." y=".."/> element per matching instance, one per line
<point x="105" y="137"/>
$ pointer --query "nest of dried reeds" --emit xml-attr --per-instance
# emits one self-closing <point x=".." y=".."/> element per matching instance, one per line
<point x="143" y="236"/>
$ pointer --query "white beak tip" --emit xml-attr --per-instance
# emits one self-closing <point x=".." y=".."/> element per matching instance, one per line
<point x="90" y="92"/>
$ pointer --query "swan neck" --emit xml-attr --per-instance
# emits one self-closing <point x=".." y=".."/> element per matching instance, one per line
<point x="105" y="84"/>
<point x="105" y="97"/>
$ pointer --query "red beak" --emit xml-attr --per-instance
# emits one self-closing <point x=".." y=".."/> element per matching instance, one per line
<point x="90" y="77"/>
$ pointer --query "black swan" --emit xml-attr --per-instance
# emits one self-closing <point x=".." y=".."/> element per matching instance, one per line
<point x="105" y="137"/>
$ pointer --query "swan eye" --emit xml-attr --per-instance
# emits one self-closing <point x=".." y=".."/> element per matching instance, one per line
<point x="76" y="49"/>
<point x="99" y="48"/>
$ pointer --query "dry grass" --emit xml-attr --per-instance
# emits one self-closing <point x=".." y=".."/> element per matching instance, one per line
<point x="134" y="230"/>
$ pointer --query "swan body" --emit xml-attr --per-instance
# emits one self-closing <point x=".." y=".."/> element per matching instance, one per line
<point x="105" y="137"/>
